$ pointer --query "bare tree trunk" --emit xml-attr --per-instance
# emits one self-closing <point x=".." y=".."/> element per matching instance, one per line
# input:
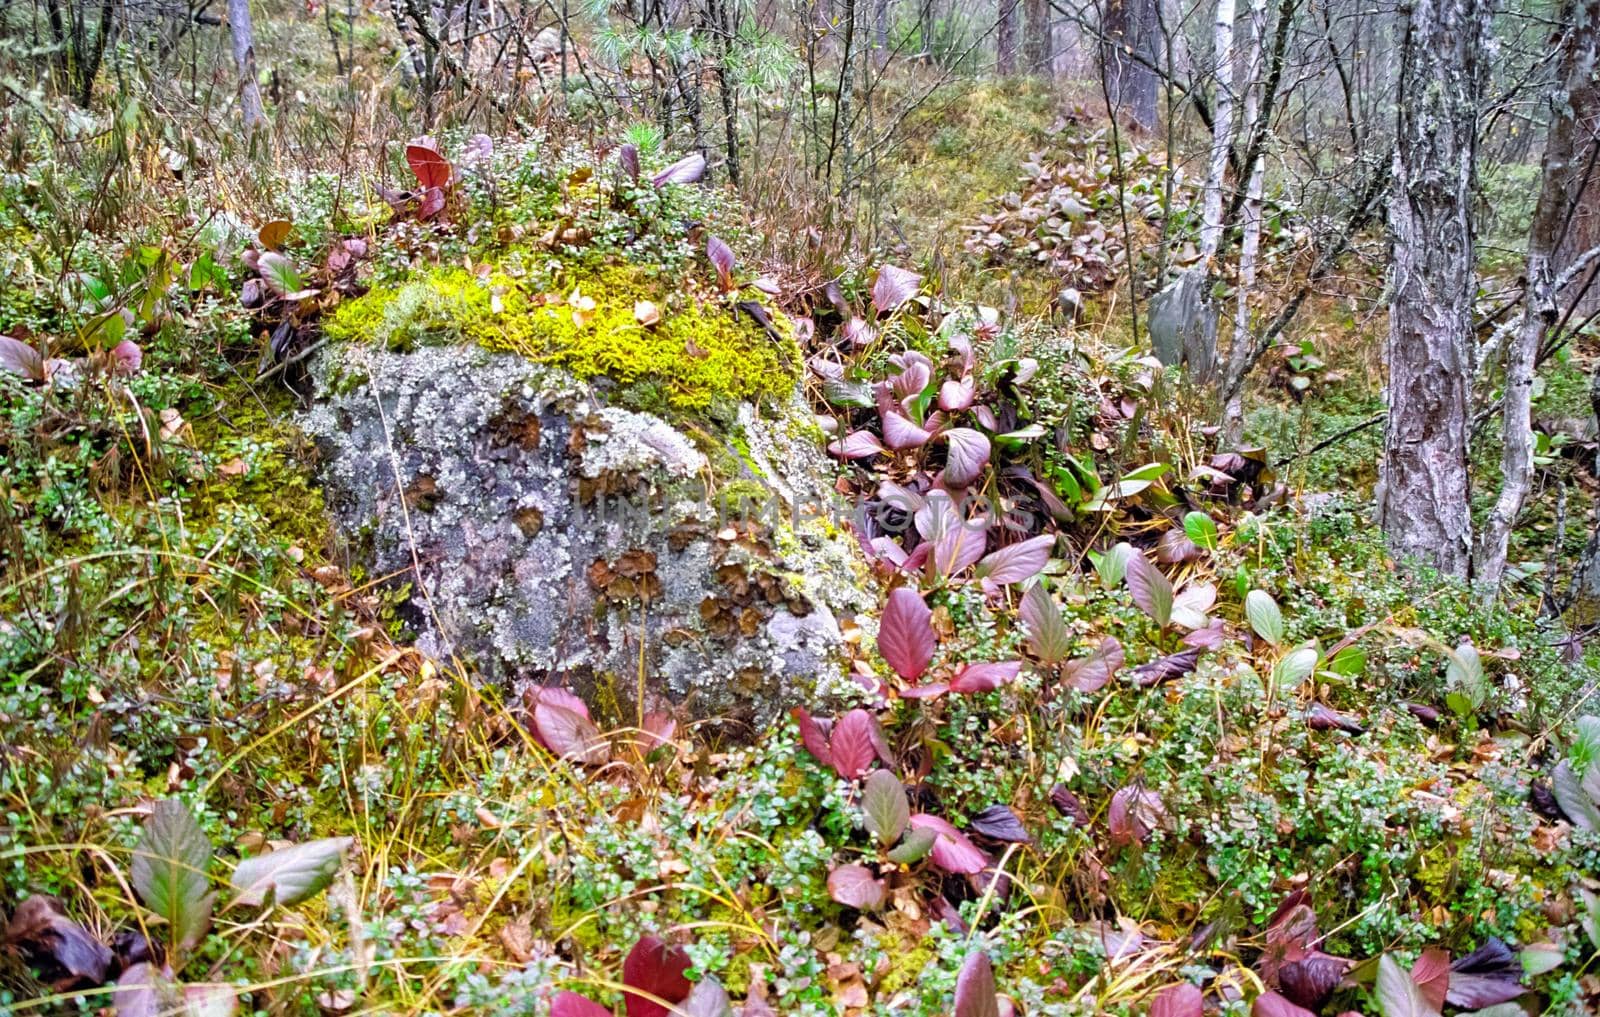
<point x="1583" y="232"/>
<point x="1424" y="500"/>
<point x="1037" y="34"/>
<point x="1128" y="58"/>
<point x="1539" y="302"/>
<point x="1250" y="239"/>
<point x="1221" y="132"/>
<point x="1005" y="38"/>
<point x="244" y="55"/>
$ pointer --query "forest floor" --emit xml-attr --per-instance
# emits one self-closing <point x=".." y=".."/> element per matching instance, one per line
<point x="1244" y="750"/>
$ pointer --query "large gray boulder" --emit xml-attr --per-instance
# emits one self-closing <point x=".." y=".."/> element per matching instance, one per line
<point x="551" y="538"/>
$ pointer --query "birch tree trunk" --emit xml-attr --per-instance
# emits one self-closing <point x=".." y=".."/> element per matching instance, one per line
<point x="1221" y="132"/>
<point x="1424" y="499"/>
<point x="1250" y="239"/>
<point x="244" y="55"/>
<point x="1540" y="307"/>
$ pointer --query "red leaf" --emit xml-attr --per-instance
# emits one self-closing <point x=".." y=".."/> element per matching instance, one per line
<point x="854" y="743"/>
<point x="628" y="156"/>
<point x="657" y="968"/>
<point x="975" y="991"/>
<point x="855" y="886"/>
<point x="952" y="851"/>
<point x="1133" y="815"/>
<point x="1094" y="671"/>
<point x="1181" y="1000"/>
<point x="570" y="1004"/>
<point x="1431" y="972"/>
<point x="1270" y="1004"/>
<point x="905" y="634"/>
<point x="813" y="735"/>
<point x="432" y="203"/>
<point x="126" y="357"/>
<point x="21" y="358"/>
<point x="984" y="677"/>
<point x="431" y="168"/>
<point x="1017" y="562"/>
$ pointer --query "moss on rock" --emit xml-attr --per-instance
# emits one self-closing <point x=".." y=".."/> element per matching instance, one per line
<point x="697" y="357"/>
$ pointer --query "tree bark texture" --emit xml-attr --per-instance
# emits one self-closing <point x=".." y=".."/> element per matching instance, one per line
<point x="1130" y="29"/>
<point x="244" y="55"/>
<point x="1424" y="501"/>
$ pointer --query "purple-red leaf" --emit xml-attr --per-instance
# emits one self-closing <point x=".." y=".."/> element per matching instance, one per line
<point x="1311" y="980"/>
<point x="984" y="677"/>
<point x="814" y="735"/>
<point x="432" y="203"/>
<point x="1093" y="672"/>
<point x="431" y="168"/>
<point x="1017" y="562"/>
<point x="1270" y="1004"/>
<point x="1151" y="590"/>
<point x="1321" y="718"/>
<point x="857" y="445"/>
<point x="975" y="991"/>
<point x="955" y="396"/>
<point x="900" y="433"/>
<point x="1181" y="1000"/>
<point x="1069" y="805"/>
<point x="477" y="151"/>
<point x="1165" y="669"/>
<point x="21" y="358"/>
<point x="126" y="357"/>
<point x="855" y="886"/>
<point x="905" y="634"/>
<point x="1431" y="972"/>
<point x="1133" y="815"/>
<point x="893" y="287"/>
<point x="569" y="734"/>
<point x="1489" y="975"/>
<point x="998" y="822"/>
<point x="968" y="454"/>
<point x="1049" y="638"/>
<point x="658" y="969"/>
<point x="952" y="851"/>
<point x="853" y="744"/>
<point x="685" y="171"/>
<point x="628" y="156"/>
<point x="570" y="1004"/>
<point x="721" y="256"/>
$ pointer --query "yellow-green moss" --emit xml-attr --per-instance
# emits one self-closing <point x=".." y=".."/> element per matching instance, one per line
<point x="696" y="356"/>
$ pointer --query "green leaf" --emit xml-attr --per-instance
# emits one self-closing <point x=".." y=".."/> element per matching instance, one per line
<point x="169" y="871"/>
<point x="291" y="874"/>
<point x="842" y="392"/>
<point x="1147" y="473"/>
<point x="1295" y="668"/>
<point x="279" y="273"/>
<point x="1350" y="661"/>
<point x="1264" y="616"/>
<point x="1112" y="566"/>
<point x="1398" y="993"/>
<point x="883" y="800"/>
<point x="1018" y="439"/>
<point x="1590" y="919"/>
<point x="1464" y="673"/>
<point x="1201" y="529"/>
<point x="915" y="847"/>
<point x="1573" y="798"/>
<point x="1541" y="958"/>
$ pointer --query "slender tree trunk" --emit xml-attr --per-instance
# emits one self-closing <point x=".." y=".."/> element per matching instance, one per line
<point x="1037" y="34"/>
<point x="244" y="55"/>
<point x="1540" y="308"/>
<point x="1250" y="239"/>
<point x="1128" y="29"/>
<point x="1005" y="38"/>
<point x="1221" y="131"/>
<point x="1424" y="502"/>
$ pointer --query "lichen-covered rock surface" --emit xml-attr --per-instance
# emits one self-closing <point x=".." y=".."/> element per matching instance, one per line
<point x="550" y="537"/>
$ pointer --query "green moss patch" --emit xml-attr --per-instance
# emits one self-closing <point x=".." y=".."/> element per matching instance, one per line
<point x="695" y="357"/>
